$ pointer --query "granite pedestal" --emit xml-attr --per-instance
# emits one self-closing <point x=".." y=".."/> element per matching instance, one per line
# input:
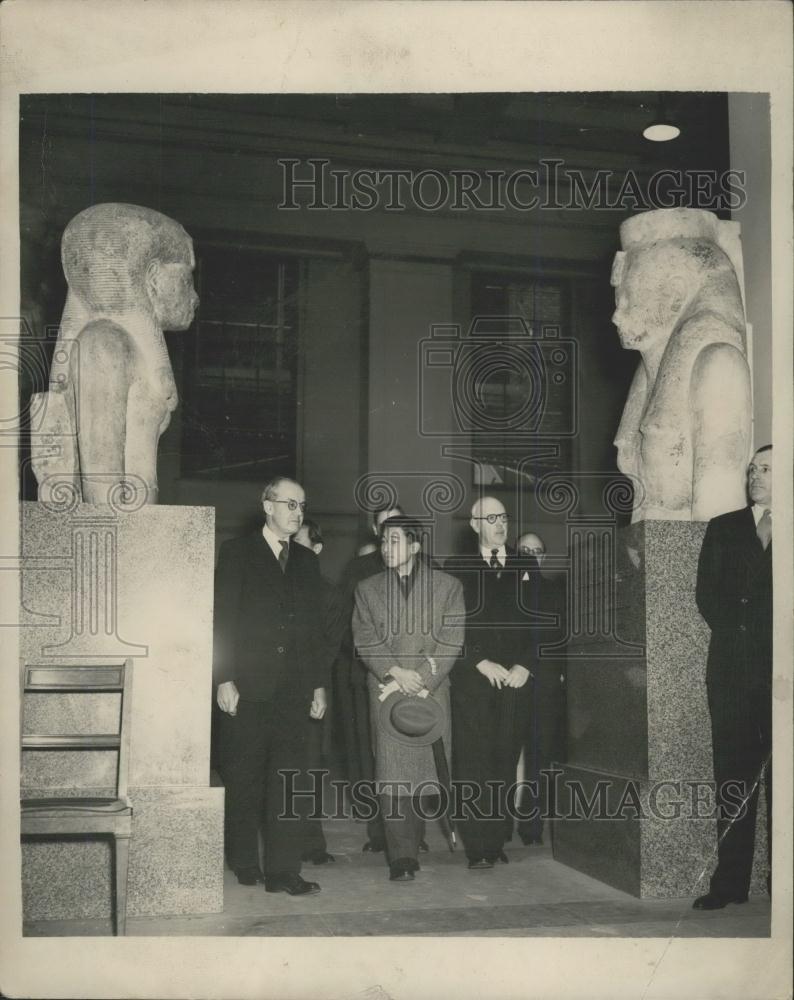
<point x="639" y="734"/>
<point x="101" y="584"/>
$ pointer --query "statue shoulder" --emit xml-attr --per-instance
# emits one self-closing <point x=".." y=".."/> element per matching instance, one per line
<point x="105" y="335"/>
<point x="721" y="365"/>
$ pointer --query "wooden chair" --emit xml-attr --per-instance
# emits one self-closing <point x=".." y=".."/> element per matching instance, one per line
<point x="86" y="816"/>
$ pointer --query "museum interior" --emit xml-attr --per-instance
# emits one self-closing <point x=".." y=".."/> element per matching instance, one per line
<point x="332" y="344"/>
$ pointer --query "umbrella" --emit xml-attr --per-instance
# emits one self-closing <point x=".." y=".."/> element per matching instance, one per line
<point x="442" y="769"/>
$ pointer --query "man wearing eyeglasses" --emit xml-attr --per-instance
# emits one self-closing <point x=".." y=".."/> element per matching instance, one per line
<point x="490" y="683"/>
<point x="270" y="665"/>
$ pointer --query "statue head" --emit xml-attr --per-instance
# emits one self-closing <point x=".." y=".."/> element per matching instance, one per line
<point x="670" y="259"/>
<point x="118" y="258"/>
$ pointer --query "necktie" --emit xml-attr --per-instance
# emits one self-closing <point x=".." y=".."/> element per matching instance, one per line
<point x="764" y="529"/>
<point x="283" y="556"/>
<point x="494" y="562"/>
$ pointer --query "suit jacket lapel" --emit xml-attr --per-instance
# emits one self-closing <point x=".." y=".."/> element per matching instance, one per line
<point x="750" y="544"/>
<point x="267" y="566"/>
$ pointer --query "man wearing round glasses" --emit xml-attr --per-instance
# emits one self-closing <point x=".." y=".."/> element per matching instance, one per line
<point x="490" y="683"/>
<point x="270" y="665"/>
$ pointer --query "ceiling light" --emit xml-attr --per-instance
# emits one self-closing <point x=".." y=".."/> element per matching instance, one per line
<point x="661" y="132"/>
<point x="661" y="128"/>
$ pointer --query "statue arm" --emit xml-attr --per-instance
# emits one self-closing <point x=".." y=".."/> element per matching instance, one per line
<point x="721" y="419"/>
<point x="101" y="373"/>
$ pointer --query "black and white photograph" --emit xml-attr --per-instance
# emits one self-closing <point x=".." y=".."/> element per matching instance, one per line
<point x="390" y="599"/>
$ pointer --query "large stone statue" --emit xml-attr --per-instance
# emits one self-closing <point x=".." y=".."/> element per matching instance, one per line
<point x="685" y="432"/>
<point x="112" y="392"/>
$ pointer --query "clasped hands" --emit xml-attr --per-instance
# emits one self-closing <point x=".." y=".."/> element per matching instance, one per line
<point x="228" y="696"/>
<point x="499" y="677"/>
<point x="408" y="681"/>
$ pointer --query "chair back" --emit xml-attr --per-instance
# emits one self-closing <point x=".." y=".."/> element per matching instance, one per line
<point x="85" y="679"/>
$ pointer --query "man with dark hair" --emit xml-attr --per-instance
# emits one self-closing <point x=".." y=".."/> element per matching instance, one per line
<point x="350" y="678"/>
<point x="734" y="595"/>
<point x="491" y="692"/>
<point x="270" y="668"/>
<point x="407" y="627"/>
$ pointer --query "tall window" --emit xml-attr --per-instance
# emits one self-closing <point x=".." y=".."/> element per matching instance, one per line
<point x="526" y="383"/>
<point x="240" y="406"/>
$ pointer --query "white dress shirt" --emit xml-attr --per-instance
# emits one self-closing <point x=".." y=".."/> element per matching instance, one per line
<point x="273" y="541"/>
<point x="758" y="511"/>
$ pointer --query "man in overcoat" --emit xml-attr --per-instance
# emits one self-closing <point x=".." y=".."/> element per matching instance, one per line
<point x="734" y="595"/>
<point x="270" y="665"/>
<point x="490" y="683"/>
<point x="350" y="679"/>
<point x="408" y="629"/>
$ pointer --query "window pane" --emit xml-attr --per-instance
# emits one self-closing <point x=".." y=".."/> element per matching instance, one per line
<point x="239" y="413"/>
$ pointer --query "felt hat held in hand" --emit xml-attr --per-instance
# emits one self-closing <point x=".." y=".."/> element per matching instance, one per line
<point x="412" y="721"/>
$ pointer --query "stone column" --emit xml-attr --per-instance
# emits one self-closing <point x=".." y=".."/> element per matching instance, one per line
<point x="119" y="583"/>
<point x="639" y="733"/>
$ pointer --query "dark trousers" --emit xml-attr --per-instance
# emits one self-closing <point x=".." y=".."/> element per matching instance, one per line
<point x="403" y="826"/>
<point x="486" y="748"/>
<point x="544" y="743"/>
<point x="313" y="836"/>
<point x="256" y="744"/>
<point x="353" y="724"/>
<point x="742" y="743"/>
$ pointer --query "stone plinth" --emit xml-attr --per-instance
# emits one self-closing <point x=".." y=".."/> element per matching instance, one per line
<point x="637" y="717"/>
<point x="101" y="585"/>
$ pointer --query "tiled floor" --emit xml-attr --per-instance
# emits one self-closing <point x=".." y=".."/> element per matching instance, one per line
<point x="531" y="896"/>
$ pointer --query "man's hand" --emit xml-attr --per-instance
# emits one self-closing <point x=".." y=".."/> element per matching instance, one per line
<point x="319" y="704"/>
<point x="495" y="672"/>
<point x="409" y="680"/>
<point x="228" y="697"/>
<point x="517" y="676"/>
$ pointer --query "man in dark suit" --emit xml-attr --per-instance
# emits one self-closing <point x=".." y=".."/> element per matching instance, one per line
<point x="734" y="595"/>
<point x="490" y="689"/>
<point x="270" y="669"/>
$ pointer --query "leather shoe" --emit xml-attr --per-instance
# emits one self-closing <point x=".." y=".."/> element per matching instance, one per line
<point x="527" y="839"/>
<point x="501" y="856"/>
<point x="293" y="884"/>
<point x="319" y="857"/>
<point x="480" y="864"/>
<point x="249" y="876"/>
<point x="714" y="901"/>
<point x="374" y="846"/>
<point x="423" y="848"/>
<point x="402" y="870"/>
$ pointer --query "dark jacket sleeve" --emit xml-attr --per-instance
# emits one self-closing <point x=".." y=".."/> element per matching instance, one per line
<point x="709" y="594"/>
<point x="335" y="622"/>
<point x="313" y="621"/>
<point x="228" y="586"/>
